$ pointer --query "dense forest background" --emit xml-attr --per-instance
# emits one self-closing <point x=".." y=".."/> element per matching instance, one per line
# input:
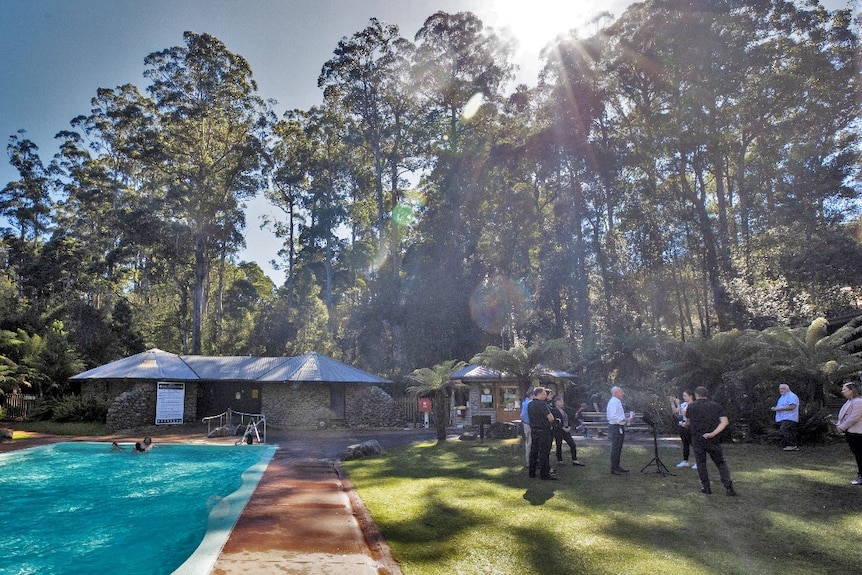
<point x="674" y="193"/>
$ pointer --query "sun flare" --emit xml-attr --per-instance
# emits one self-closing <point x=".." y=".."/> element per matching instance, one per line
<point x="535" y="23"/>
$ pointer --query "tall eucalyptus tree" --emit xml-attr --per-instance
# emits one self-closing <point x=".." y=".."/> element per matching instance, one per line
<point x="205" y="150"/>
<point x="461" y="70"/>
<point x="368" y="78"/>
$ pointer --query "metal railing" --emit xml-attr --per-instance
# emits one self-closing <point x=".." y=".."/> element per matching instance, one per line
<point x="254" y="423"/>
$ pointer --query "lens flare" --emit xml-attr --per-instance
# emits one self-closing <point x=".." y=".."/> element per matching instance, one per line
<point x="472" y="106"/>
<point x="496" y="300"/>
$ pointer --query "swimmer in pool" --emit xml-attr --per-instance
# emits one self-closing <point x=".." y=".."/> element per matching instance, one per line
<point x="144" y="445"/>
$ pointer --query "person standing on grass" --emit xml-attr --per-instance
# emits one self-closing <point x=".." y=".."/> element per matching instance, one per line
<point x="563" y="431"/>
<point x="525" y="422"/>
<point x="706" y="420"/>
<point x="850" y="423"/>
<point x="787" y="417"/>
<point x="678" y="407"/>
<point x="541" y="420"/>
<point x="617" y="420"/>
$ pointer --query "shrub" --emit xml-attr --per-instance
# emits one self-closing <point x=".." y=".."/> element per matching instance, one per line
<point x="72" y="408"/>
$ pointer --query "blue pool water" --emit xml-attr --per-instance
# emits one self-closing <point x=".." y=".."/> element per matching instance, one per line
<point x="83" y="508"/>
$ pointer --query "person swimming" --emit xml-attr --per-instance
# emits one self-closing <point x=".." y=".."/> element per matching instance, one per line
<point x="144" y="445"/>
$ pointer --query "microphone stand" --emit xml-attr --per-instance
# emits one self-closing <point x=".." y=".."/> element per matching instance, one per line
<point x="660" y="467"/>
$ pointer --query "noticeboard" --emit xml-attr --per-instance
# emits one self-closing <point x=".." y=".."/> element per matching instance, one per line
<point x="170" y="400"/>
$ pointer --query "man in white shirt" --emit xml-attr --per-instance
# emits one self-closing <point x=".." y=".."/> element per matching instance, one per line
<point x="616" y="428"/>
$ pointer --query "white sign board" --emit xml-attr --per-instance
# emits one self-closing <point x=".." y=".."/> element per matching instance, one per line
<point x="170" y="400"/>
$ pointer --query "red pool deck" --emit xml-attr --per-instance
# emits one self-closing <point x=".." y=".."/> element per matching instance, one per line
<point x="305" y="518"/>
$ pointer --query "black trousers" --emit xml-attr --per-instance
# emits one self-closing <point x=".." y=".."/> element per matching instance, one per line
<point x="685" y="436"/>
<point x="712" y="447"/>
<point x="789" y="434"/>
<point x="562" y="436"/>
<point x="618" y="437"/>
<point x="540" y="453"/>
<point x="854" y="440"/>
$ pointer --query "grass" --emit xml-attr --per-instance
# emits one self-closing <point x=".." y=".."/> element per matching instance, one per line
<point x="466" y="508"/>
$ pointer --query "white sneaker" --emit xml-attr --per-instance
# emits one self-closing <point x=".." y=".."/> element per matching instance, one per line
<point x="682" y="464"/>
<point x="694" y="466"/>
<point x="857" y="481"/>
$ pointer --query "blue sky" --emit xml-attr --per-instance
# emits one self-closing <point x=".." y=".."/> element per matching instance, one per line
<point x="55" y="54"/>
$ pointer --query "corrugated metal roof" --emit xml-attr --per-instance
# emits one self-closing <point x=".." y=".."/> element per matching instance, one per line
<point x="152" y="364"/>
<point x="157" y="364"/>
<point x="474" y="372"/>
<point x="313" y="367"/>
<point x="243" y="367"/>
<point x="559" y="373"/>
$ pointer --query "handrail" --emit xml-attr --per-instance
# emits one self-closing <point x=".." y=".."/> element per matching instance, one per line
<point x="226" y="418"/>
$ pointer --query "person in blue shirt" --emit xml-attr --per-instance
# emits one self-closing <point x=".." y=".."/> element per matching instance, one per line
<point x="525" y="422"/>
<point x="787" y="417"/>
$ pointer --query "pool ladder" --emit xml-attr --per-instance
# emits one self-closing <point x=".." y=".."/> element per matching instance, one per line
<point x="251" y="432"/>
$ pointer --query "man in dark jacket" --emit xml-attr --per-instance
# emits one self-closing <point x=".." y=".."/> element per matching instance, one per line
<point x="541" y="420"/>
<point x="707" y="420"/>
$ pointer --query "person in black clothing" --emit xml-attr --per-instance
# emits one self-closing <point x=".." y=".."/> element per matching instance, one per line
<point x="541" y="420"/>
<point x="563" y="432"/>
<point x="706" y="420"/>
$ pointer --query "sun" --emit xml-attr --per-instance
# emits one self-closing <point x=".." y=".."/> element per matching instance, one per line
<point x="534" y="23"/>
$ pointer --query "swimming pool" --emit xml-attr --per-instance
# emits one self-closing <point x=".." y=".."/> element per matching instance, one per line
<point x="80" y="508"/>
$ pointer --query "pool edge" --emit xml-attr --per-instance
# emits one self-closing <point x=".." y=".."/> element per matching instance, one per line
<point x="220" y="525"/>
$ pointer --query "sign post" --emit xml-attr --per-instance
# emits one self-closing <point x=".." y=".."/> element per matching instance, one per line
<point x="425" y="407"/>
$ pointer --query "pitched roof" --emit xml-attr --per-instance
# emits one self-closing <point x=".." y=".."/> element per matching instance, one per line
<point x="157" y="364"/>
<point x="315" y="367"/>
<point x="475" y="372"/>
<point x="152" y="364"/>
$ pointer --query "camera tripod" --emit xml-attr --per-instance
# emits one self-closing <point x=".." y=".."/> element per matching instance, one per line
<point x="660" y="467"/>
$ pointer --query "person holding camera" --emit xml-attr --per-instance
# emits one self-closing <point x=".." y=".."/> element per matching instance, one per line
<point x="850" y="423"/>
<point x="678" y="407"/>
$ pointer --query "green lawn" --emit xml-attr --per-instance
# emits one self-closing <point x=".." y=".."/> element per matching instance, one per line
<point x="466" y="508"/>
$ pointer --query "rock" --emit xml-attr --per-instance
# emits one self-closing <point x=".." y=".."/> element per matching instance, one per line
<point x="468" y="436"/>
<point x="357" y="450"/>
<point x="5" y="434"/>
<point x="223" y="431"/>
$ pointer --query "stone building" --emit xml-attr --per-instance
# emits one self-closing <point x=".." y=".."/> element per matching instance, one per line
<point x="305" y="391"/>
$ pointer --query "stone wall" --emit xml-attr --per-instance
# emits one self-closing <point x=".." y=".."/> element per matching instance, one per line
<point x="134" y="402"/>
<point x="284" y="405"/>
<point x="295" y="405"/>
<point x="307" y="406"/>
<point x="133" y="408"/>
<point x="370" y="406"/>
